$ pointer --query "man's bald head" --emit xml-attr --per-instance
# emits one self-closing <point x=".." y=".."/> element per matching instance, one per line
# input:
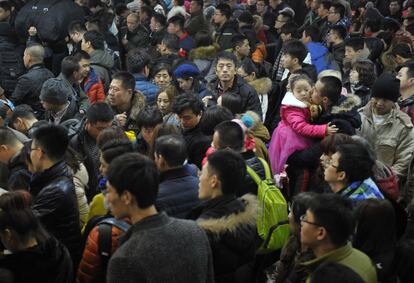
<point x="36" y="52"/>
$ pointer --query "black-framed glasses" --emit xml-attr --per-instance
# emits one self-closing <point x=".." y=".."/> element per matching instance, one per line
<point x="303" y="219"/>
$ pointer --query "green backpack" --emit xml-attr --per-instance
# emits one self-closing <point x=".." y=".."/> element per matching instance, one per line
<point x="272" y="221"/>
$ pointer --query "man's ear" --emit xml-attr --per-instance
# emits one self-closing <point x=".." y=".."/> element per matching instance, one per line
<point x="322" y="234"/>
<point x="342" y="176"/>
<point x="127" y="198"/>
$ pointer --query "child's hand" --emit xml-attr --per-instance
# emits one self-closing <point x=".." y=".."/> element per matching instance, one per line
<point x="331" y="129"/>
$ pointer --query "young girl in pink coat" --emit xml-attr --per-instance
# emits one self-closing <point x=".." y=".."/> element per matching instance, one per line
<point x="294" y="131"/>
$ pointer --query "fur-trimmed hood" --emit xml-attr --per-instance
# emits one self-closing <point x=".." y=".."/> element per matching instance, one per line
<point x="205" y="52"/>
<point x="262" y="85"/>
<point x="138" y="103"/>
<point x="231" y="223"/>
<point x="351" y="102"/>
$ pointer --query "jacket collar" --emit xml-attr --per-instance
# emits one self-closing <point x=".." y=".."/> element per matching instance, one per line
<point x="335" y="255"/>
<point x="36" y="66"/>
<point x="173" y="174"/>
<point x="43" y="179"/>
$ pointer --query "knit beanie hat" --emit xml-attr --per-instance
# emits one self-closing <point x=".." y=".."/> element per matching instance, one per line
<point x="186" y="71"/>
<point x="55" y="91"/>
<point x="387" y="87"/>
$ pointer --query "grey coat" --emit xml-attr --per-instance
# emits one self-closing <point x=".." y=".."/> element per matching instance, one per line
<point x="162" y="249"/>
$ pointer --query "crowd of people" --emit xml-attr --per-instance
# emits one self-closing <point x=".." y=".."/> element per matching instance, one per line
<point x="207" y="141"/>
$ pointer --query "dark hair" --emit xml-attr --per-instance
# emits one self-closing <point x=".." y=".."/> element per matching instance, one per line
<point x="137" y="59"/>
<point x="16" y="214"/>
<point x="297" y="78"/>
<point x="81" y="55"/>
<point x="77" y="26"/>
<point x="199" y="2"/>
<point x="329" y="144"/>
<point x="111" y="134"/>
<point x="142" y="178"/>
<point x="225" y="55"/>
<point x="290" y="28"/>
<point x="114" y="148"/>
<point x="120" y="8"/>
<point x="213" y="116"/>
<point x="371" y="216"/>
<point x="366" y="72"/>
<point x="172" y="148"/>
<point x="159" y="67"/>
<point x="188" y="101"/>
<point x="6" y="5"/>
<point x="238" y="40"/>
<point x="229" y="167"/>
<point x="225" y="10"/>
<point x="356" y="161"/>
<point x="403" y="50"/>
<point x="375" y="47"/>
<point x="390" y="24"/>
<point x="230" y="135"/>
<point x="249" y="66"/>
<point x="95" y="3"/>
<point x="159" y="18"/>
<point x="149" y="117"/>
<point x="22" y="111"/>
<point x="356" y="43"/>
<point x="70" y="64"/>
<point x="332" y="88"/>
<point x="296" y="49"/>
<point x="233" y="102"/>
<point x="178" y="20"/>
<point x="374" y="25"/>
<point x="171" y="41"/>
<point x="203" y="38"/>
<point x="326" y="4"/>
<point x="53" y="140"/>
<point x="313" y="32"/>
<point x="150" y="12"/>
<point x="95" y="38"/>
<point x="387" y="37"/>
<point x="300" y="204"/>
<point x="340" y="31"/>
<point x="408" y="65"/>
<point x="7" y="136"/>
<point x="126" y="78"/>
<point x="99" y="112"/>
<point x="334" y="213"/>
<point x="339" y="8"/>
<point x="331" y="271"/>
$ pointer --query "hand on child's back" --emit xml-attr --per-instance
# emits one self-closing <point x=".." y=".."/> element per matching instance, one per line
<point x="331" y="129"/>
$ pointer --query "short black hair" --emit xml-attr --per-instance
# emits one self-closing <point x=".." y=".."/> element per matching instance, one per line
<point x="225" y="9"/>
<point x="328" y="272"/>
<point x="408" y="65"/>
<point x="136" y="60"/>
<point x="188" y="101"/>
<point x="199" y="2"/>
<point x="249" y="66"/>
<point x="339" y="8"/>
<point x="159" y="18"/>
<point x="213" y="116"/>
<point x="290" y="28"/>
<point x="356" y="161"/>
<point x="332" y="88"/>
<point x="374" y="25"/>
<point x="230" y="135"/>
<point x="127" y="79"/>
<point x="7" y="136"/>
<point x="99" y="112"/>
<point x="150" y="12"/>
<point x="95" y="38"/>
<point x="53" y="140"/>
<point x="356" y="43"/>
<point x="313" y="32"/>
<point x="296" y="49"/>
<point x="227" y="56"/>
<point x="142" y="181"/>
<point x="22" y="111"/>
<point x="203" y="38"/>
<point x="172" y="148"/>
<point x="403" y="50"/>
<point x="326" y="4"/>
<point x="340" y="31"/>
<point x="82" y="55"/>
<point x="77" y="26"/>
<point x="233" y="102"/>
<point x="238" y="40"/>
<point x="149" y="117"/>
<point x="120" y="8"/>
<point x="230" y="168"/>
<point x="115" y="147"/>
<point x="334" y="213"/>
<point x="69" y="65"/>
<point x="171" y="41"/>
<point x="178" y="21"/>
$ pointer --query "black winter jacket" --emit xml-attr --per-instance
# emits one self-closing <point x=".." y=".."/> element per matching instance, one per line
<point x="178" y="193"/>
<point x="230" y="224"/>
<point x="197" y="145"/>
<point x="249" y="98"/>
<point x="249" y="186"/>
<point x="225" y="33"/>
<point x="28" y="88"/>
<point x="19" y="176"/>
<point x="56" y="206"/>
<point x="48" y="262"/>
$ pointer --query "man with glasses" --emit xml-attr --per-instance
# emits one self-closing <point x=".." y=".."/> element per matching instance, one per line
<point x="326" y="229"/>
<point x="99" y="116"/>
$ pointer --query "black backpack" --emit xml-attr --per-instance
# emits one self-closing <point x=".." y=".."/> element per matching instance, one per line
<point x="11" y="67"/>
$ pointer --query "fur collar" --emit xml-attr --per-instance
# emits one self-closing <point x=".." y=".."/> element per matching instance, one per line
<point x="262" y="85"/>
<point x="230" y="223"/>
<point x="205" y="52"/>
<point x="138" y="103"/>
<point x="349" y="103"/>
<point x="291" y="100"/>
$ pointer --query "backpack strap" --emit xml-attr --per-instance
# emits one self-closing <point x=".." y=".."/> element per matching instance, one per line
<point x="266" y="167"/>
<point x="256" y="178"/>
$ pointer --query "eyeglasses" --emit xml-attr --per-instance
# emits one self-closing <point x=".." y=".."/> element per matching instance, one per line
<point x="303" y="219"/>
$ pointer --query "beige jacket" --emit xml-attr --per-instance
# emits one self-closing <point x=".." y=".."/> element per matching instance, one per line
<point x="393" y="141"/>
